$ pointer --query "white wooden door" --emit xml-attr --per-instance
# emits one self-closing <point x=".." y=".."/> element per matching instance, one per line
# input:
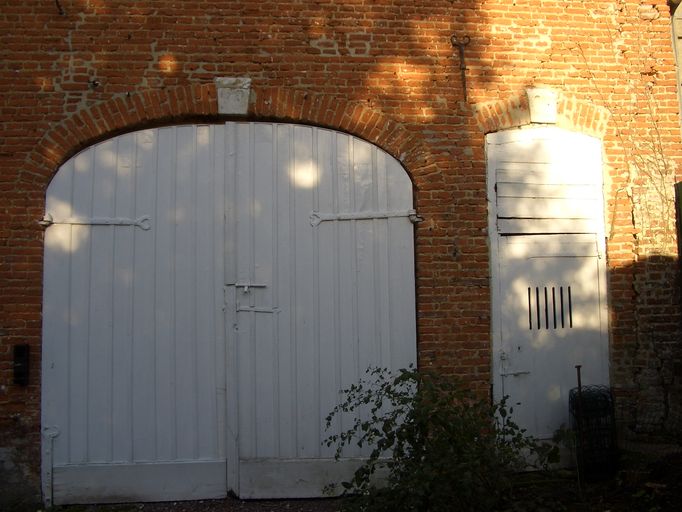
<point x="323" y="288"/>
<point x="208" y="291"/>
<point x="548" y="270"/>
<point x="133" y="351"/>
<point x="550" y="317"/>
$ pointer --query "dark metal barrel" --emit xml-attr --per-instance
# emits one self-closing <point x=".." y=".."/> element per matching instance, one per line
<point x="593" y="420"/>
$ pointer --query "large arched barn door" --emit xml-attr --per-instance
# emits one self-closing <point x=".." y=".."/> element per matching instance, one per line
<point x="208" y="291"/>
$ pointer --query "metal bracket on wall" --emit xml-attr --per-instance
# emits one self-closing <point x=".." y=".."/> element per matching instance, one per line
<point x="49" y="433"/>
<point x="256" y="309"/>
<point x="460" y="45"/>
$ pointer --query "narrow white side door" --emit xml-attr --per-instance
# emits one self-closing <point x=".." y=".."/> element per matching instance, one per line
<point x="548" y="271"/>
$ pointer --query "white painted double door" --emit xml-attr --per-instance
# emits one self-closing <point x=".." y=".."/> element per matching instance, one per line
<point x="208" y="291"/>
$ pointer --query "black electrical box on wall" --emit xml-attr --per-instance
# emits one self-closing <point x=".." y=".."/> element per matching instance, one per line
<point x="21" y="364"/>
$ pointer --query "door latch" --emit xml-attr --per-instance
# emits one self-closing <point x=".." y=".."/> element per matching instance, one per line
<point x="514" y="374"/>
<point x="246" y="286"/>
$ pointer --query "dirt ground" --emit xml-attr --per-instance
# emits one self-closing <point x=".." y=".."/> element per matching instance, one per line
<point x="649" y="480"/>
<point x="226" y="505"/>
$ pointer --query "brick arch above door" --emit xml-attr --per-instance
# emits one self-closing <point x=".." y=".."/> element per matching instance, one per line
<point x="514" y="111"/>
<point x="198" y="102"/>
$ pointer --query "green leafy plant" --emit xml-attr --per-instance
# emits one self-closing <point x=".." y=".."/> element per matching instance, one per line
<point x="437" y="446"/>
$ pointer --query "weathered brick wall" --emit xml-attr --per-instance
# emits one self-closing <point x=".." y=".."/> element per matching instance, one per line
<point x="76" y="71"/>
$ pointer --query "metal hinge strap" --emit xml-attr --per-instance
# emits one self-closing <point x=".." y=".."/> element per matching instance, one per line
<point x="317" y="217"/>
<point x="143" y="222"/>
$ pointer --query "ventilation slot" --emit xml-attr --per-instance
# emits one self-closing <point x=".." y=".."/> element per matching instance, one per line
<point x="550" y="308"/>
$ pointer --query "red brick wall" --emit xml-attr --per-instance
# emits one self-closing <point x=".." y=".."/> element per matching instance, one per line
<point x="384" y="70"/>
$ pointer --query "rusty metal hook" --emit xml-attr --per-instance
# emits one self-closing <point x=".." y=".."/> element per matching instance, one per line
<point x="461" y="44"/>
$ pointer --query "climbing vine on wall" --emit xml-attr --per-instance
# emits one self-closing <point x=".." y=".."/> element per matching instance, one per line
<point x="642" y="173"/>
<point x="646" y="174"/>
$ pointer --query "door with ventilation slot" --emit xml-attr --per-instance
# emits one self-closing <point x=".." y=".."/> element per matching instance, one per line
<point x="550" y="322"/>
<point x="548" y="271"/>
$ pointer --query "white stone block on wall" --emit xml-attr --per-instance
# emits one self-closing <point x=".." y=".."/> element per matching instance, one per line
<point x="542" y="104"/>
<point x="233" y="94"/>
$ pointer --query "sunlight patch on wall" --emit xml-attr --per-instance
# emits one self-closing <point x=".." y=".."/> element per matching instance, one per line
<point x="168" y="63"/>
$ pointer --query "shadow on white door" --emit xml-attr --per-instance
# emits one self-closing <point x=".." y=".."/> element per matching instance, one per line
<point x="548" y="271"/>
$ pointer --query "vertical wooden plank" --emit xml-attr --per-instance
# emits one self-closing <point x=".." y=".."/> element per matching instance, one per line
<point x="56" y="397"/>
<point x="205" y="306"/>
<point x="364" y="263"/>
<point x="346" y="277"/>
<point x="144" y="356"/>
<point x="219" y="362"/>
<point x="245" y="345"/>
<point x="163" y="390"/>
<point x="231" y="200"/>
<point x="244" y="200"/>
<point x="362" y="175"/>
<point x="185" y="293"/>
<point x="265" y="360"/>
<point x="232" y="441"/>
<point x="265" y="416"/>
<point x="79" y="317"/>
<point x="262" y="210"/>
<point x="492" y="171"/>
<point x="304" y="176"/>
<point x="122" y="336"/>
<point x="285" y="289"/>
<point x="382" y="257"/>
<point x="274" y="292"/>
<point x="400" y="265"/>
<point x="101" y="287"/>
<point x="326" y="292"/>
<point x="367" y="333"/>
<point x="314" y="312"/>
